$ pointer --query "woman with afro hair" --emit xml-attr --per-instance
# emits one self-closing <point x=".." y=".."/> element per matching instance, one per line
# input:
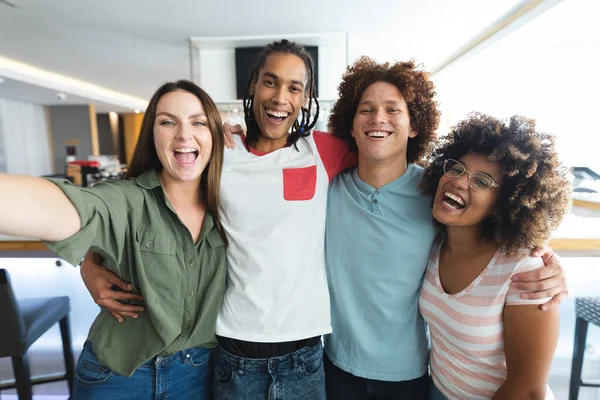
<point x="498" y="190"/>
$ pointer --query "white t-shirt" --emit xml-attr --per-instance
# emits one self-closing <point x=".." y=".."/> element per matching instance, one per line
<point x="273" y="209"/>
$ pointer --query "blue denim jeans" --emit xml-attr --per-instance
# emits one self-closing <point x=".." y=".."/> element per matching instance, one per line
<point x="184" y="375"/>
<point x="295" y="376"/>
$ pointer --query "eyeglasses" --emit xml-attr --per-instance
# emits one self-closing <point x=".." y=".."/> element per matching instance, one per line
<point x="478" y="181"/>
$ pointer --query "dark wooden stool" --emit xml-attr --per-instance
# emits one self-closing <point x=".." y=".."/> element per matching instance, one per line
<point x="587" y="310"/>
<point x="22" y="323"/>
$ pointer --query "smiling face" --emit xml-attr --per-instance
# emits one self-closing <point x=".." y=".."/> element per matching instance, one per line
<point x="381" y="124"/>
<point x="456" y="203"/>
<point x="279" y="94"/>
<point x="182" y="137"/>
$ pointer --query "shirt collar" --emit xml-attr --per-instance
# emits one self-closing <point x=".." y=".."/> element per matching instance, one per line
<point x="210" y="232"/>
<point x="258" y="152"/>
<point x="148" y="179"/>
<point x="368" y="189"/>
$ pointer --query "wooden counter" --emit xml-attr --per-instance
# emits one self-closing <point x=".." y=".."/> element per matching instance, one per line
<point x="575" y="233"/>
<point x="22" y="245"/>
<point x="17" y="247"/>
<point x="575" y="244"/>
<point x="559" y="243"/>
<point x="591" y="205"/>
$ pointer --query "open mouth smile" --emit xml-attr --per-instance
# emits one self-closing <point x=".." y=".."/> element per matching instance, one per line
<point x="276" y="116"/>
<point x="453" y="201"/>
<point x="186" y="155"/>
<point x="378" y="134"/>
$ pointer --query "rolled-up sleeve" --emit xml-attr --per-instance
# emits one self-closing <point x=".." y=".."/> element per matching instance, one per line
<point x="104" y="215"/>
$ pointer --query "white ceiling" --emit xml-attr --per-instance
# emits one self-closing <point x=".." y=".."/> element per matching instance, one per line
<point x="132" y="46"/>
<point x="28" y="93"/>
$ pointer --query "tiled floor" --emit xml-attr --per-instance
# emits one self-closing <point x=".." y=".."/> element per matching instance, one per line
<point x="42" y="363"/>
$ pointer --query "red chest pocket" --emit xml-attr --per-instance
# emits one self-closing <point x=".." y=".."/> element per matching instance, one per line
<point x="299" y="183"/>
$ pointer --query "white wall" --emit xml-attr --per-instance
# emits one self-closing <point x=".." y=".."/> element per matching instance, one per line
<point x="216" y="70"/>
<point x="332" y="65"/>
<point x="24" y="139"/>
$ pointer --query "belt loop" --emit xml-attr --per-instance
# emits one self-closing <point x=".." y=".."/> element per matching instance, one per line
<point x="295" y="363"/>
<point x="241" y="365"/>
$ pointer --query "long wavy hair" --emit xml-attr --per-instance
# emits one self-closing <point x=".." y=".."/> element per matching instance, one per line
<point x="145" y="156"/>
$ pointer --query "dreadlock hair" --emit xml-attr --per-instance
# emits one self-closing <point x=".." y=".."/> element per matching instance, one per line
<point x="299" y="129"/>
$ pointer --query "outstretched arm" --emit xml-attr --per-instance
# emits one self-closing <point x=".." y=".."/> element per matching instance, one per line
<point x="35" y="207"/>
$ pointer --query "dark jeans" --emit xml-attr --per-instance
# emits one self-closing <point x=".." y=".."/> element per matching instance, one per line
<point x="434" y="392"/>
<point x="342" y="385"/>
<point x="295" y="376"/>
<point x="184" y="375"/>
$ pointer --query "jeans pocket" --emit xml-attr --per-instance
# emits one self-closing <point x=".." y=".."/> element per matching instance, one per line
<point x="312" y="365"/>
<point x="223" y="376"/>
<point x="89" y="370"/>
<point x="198" y="356"/>
<point x="224" y="370"/>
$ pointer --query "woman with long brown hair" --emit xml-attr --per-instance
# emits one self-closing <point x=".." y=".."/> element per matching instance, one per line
<point x="159" y="229"/>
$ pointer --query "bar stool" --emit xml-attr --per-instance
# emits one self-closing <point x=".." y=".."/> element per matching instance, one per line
<point x="23" y="322"/>
<point x="587" y="310"/>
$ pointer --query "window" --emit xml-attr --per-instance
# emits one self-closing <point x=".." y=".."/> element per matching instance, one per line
<point x="546" y="70"/>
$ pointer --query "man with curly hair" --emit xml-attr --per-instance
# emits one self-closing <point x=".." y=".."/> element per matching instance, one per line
<point x="379" y="235"/>
<point x="498" y="190"/>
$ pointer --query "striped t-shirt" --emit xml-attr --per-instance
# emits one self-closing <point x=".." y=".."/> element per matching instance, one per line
<point x="466" y="328"/>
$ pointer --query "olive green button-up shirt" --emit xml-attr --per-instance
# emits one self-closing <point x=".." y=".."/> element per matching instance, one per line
<point x="132" y="224"/>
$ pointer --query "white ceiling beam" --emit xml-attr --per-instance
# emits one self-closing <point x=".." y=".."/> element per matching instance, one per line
<point x="521" y="14"/>
<point x="19" y="71"/>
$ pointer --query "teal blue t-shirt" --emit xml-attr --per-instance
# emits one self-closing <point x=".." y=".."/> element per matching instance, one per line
<point x="377" y="246"/>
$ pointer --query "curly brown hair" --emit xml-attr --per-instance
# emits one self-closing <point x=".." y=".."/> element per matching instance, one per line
<point x="535" y="191"/>
<point x="415" y="87"/>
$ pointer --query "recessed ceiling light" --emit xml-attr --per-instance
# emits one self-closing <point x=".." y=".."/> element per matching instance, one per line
<point x="137" y="111"/>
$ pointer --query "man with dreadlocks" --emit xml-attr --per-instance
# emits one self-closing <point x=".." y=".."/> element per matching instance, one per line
<point x="273" y="204"/>
<point x="274" y="193"/>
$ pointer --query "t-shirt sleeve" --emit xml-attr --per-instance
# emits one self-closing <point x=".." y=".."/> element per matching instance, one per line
<point x="335" y="153"/>
<point x="104" y="215"/>
<point x="525" y="264"/>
